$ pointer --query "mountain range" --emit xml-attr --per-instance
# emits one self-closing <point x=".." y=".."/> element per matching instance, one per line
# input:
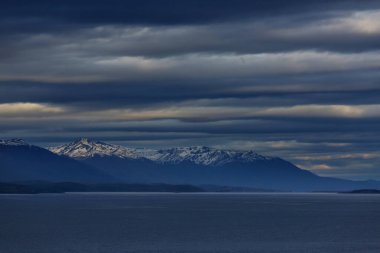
<point x="88" y="161"/>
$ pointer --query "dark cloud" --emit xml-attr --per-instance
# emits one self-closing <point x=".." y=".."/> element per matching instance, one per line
<point x="165" y="11"/>
<point x="269" y="91"/>
<point x="344" y="33"/>
<point x="297" y="79"/>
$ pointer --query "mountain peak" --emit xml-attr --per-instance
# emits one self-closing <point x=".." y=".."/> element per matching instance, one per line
<point x="14" y="142"/>
<point x="83" y="148"/>
<point x="83" y="140"/>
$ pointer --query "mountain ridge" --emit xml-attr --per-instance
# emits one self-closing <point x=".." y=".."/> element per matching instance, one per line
<point x="21" y="161"/>
<point x="84" y="148"/>
<point x="14" y="142"/>
<point x="87" y="161"/>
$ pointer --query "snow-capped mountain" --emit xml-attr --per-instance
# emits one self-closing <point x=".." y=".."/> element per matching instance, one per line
<point x="203" y="156"/>
<point x="14" y="142"/>
<point x="20" y="161"/>
<point x="89" y="161"/>
<point x="84" y="148"/>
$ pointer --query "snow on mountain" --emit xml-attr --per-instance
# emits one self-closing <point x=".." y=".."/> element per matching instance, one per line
<point x="14" y="142"/>
<point x="85" y="148"/>
<point x="204" y="156"/>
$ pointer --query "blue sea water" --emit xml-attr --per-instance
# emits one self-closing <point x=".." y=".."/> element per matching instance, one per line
<point x="152" y="222"/>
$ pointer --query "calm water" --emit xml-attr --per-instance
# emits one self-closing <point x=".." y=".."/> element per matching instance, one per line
<point x="109" y="223"/>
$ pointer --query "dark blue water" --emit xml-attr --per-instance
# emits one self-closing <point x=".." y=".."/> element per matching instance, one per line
<point x="69" y="223"/>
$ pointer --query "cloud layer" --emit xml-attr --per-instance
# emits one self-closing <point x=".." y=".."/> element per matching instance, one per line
<point x="291" y="78"/>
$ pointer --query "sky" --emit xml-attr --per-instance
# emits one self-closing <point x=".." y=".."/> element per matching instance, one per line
<point x="295" y="79"/>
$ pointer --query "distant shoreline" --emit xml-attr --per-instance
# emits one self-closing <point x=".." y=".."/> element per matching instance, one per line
<point x="69" y="187"/>
<point x="363" y="191"/>
<point x="40" y="187"/>
<point x="66" y="187"/>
